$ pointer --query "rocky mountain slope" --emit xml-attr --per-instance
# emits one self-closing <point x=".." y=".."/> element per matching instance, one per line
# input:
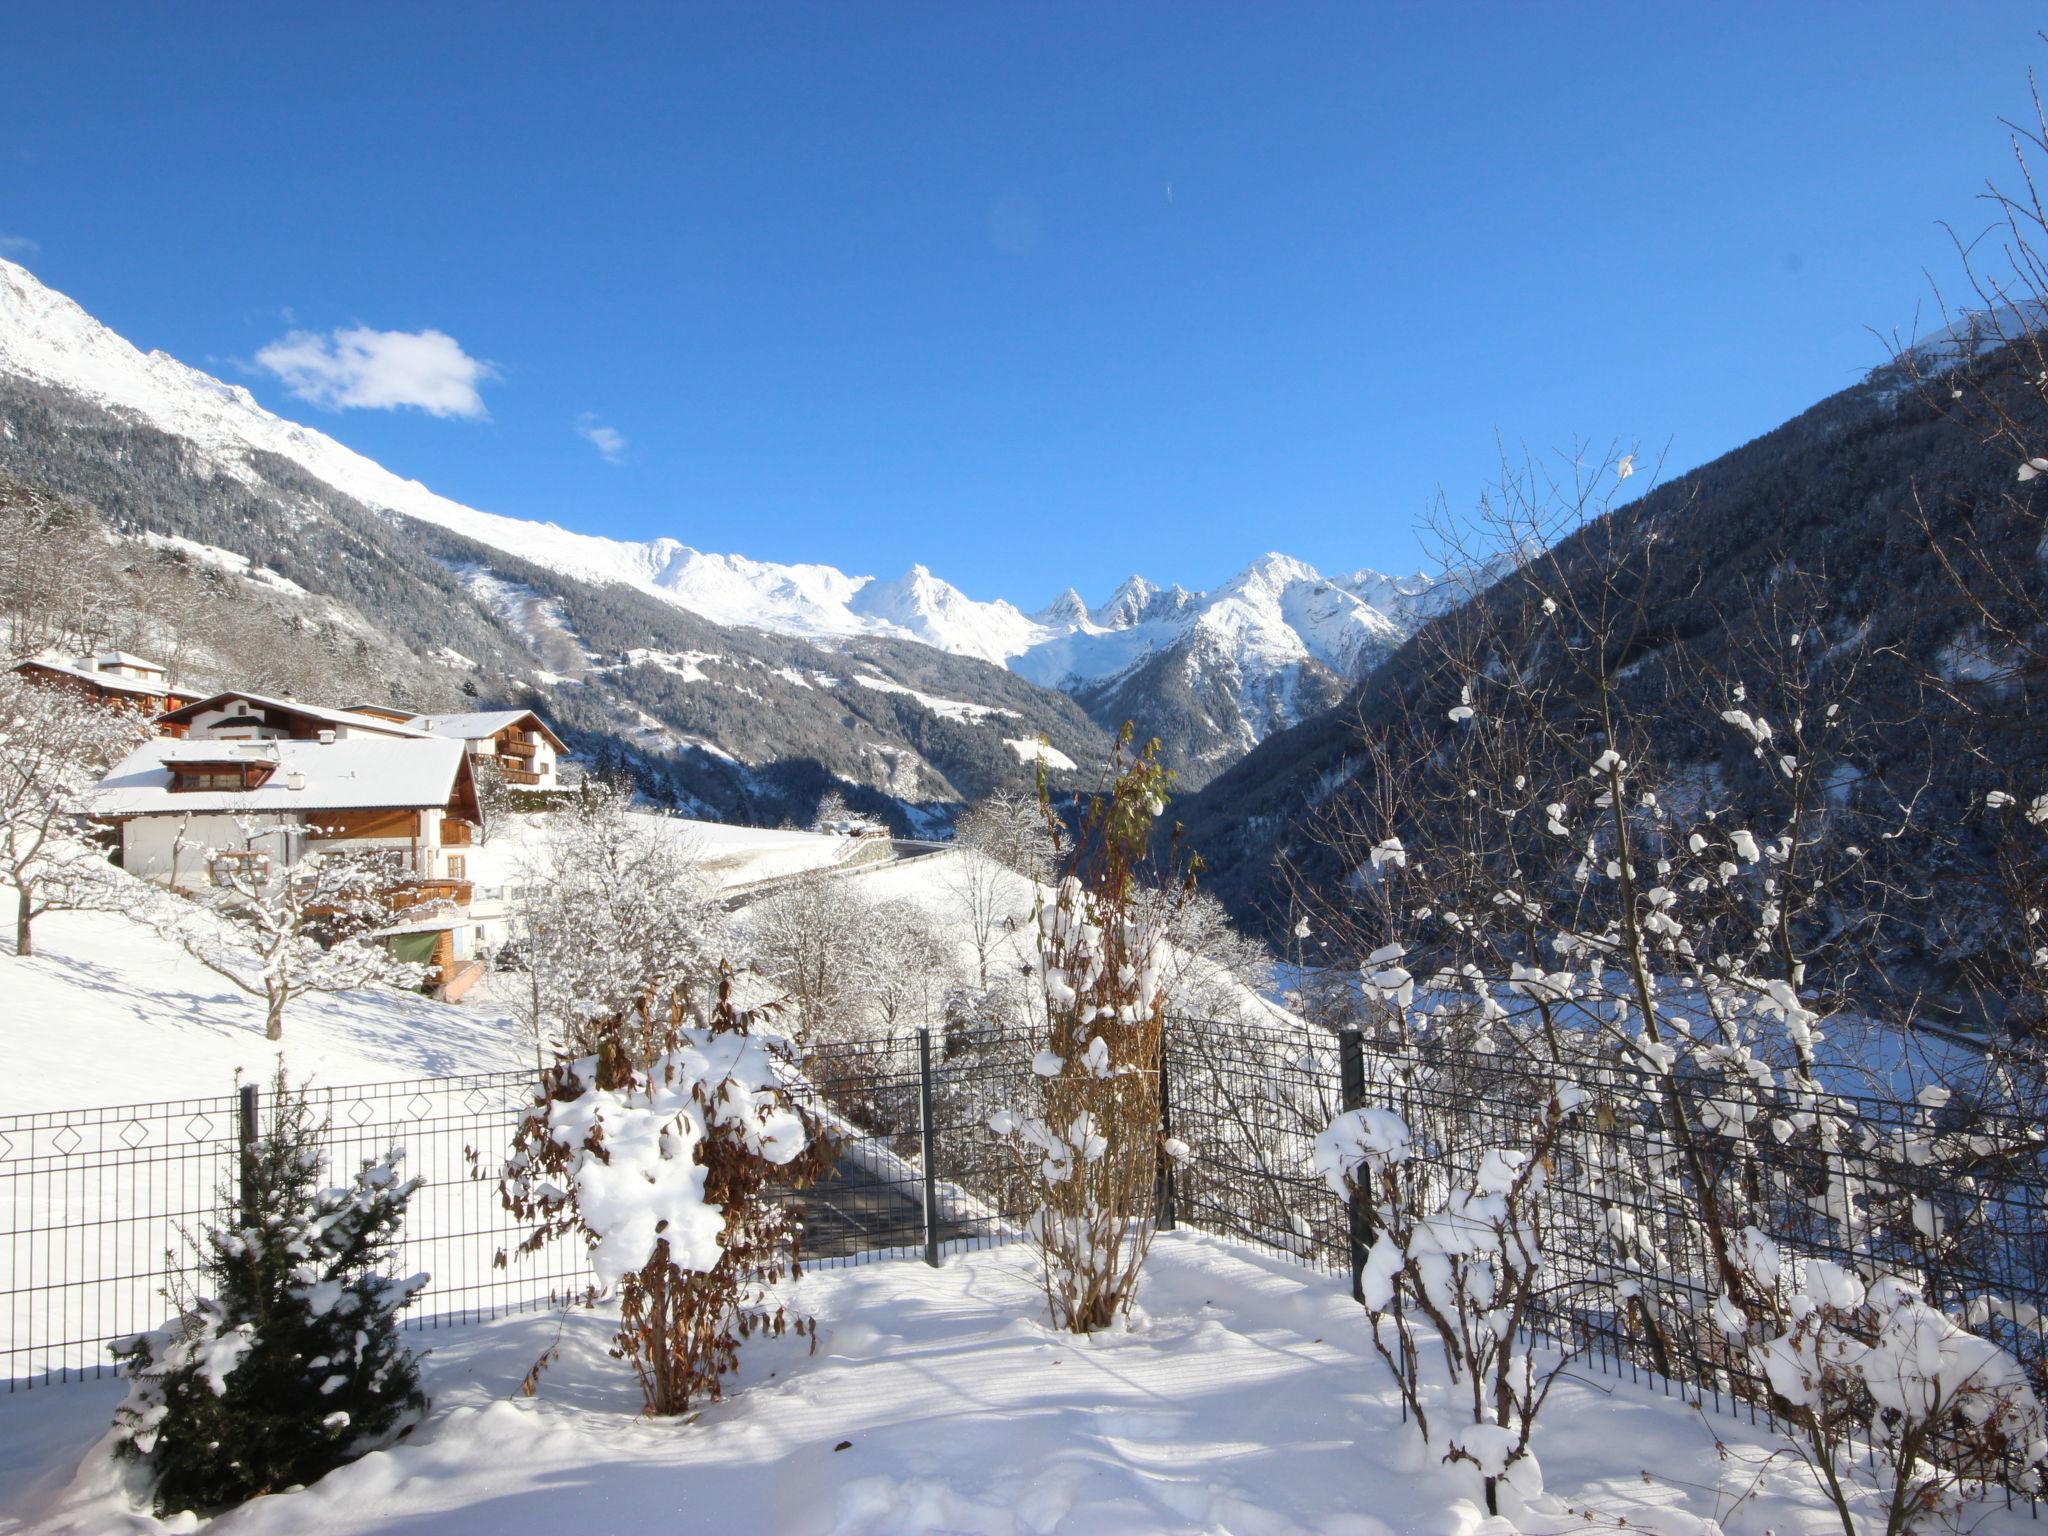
<point x="1211" y="674"/>
<point x="276" y="576"/>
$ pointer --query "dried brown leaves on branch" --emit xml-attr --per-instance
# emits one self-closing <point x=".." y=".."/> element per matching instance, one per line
<point x="1090" y="1139"/>
<point x="664" y="1152"/>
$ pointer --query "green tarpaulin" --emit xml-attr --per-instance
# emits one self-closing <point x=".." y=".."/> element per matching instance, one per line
<point x="416" y="948"/>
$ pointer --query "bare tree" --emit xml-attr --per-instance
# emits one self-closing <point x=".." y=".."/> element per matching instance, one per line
<point x="1010" y="829"/>
<point x="54" y="745"/>
<point x="617" y="921"/>
<point x="55" y="586"/>
<point x="812" y="939"/>
<point x="986" y="901"/>
<point x="912" y="966"/>
<point x="283" y="933"/>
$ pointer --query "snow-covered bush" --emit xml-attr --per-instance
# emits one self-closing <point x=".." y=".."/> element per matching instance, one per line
<point x="1850" y="1361"/>
<point x="663" y="1165"/>
<point x="292" y="1364"/>
<point x="1466" y="1260"/>
<point x="1089" y="1137"/>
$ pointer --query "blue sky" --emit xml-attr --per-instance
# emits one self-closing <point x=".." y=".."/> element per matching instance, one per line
<point x="1030" y="294"/>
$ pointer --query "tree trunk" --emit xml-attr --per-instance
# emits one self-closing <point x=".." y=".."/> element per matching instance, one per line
<point x="22" y="948"/>
<point x="273" y="1016"/>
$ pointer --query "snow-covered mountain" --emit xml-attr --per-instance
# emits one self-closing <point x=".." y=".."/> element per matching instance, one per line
<point x="1214" y="673"/>
<point x="1260" y="651"/>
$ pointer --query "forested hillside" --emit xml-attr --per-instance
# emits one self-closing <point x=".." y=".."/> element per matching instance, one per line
<point x="1842" y="557"/>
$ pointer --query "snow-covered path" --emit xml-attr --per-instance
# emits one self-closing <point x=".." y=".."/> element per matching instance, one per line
<point x="1244" y="1401"/>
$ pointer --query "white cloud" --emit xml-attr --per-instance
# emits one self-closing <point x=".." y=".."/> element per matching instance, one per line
<point x="379" y="370"/>
<point x="17" y="245"/>
<point x="608" y="441"/>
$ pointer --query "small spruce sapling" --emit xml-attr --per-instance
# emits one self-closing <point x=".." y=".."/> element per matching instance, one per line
<point x="293" y="1364"/>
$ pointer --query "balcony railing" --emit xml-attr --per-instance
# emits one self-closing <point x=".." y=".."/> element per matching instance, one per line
<point x="422" y="893"/>
<point x="520" y="776"/>
<point x="517" y="748"/>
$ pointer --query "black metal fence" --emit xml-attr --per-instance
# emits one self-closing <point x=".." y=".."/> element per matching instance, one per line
<point x="100" y="1206"/>
<point x="102" y="1210"/>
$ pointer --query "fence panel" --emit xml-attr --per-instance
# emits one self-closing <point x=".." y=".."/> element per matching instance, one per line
<point x="453" y="1129"/>
<point x="104" y="1210"/>
<point x="100" y="1206"/>
<point x="100" y="1209"/>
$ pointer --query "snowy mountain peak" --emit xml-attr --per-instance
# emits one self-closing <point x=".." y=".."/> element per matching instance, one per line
<point x="1128" y="605"/>
<point x="1253" y="634"/>
<point x="1272" y="572"/>
<point x="922" y="606"/>
<point x="1066" y="611"/>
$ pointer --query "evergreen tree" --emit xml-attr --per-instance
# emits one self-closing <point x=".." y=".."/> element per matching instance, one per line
<point x="293" y="1364"/>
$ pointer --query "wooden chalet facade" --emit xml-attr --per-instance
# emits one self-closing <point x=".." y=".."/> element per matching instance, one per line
<point x="113" y="678"/>
<point x="523" y="746"/>
<point x="243" y="780"/>
<point x="236" y="716"/>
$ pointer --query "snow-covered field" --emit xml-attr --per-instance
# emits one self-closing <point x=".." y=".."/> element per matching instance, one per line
<point x="731" y="855"/>
<point x="1244" y="1400"/>
<point x="107" y="1012"/>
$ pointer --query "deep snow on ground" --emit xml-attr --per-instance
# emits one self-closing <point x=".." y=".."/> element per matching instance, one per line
<point x="1244" y="1400"/>
<point x="731" y="855"/>
<point x="107" y="1012"/>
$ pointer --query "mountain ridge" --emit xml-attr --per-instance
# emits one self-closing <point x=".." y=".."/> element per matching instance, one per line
<point x="1276" y="637"/>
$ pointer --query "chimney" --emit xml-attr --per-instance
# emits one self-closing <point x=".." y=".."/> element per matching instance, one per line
<point x="327" y="738"/>
<point x="295" y="780"/>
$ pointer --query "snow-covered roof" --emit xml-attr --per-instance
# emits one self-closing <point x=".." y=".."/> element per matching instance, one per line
<point x="471" y="727"/>
<point x="107" y="681"/>
<point x="335" y="717"/>
<point x="478" y="725"/>
<point x="361" y="773"/>
<point x="127" y="659"/>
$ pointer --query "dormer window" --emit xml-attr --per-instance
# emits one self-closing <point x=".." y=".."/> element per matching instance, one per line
<point x="232" y="777"/>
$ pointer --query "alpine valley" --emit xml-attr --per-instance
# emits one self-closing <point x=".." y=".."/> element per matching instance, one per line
<point x="727" y="686"/>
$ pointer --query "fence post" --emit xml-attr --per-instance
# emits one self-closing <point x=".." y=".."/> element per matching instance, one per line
<point x="927" y="1137"/>
<point x="1351" y="1068"/>
<point x="249" y="1130"/>
<point x="1163" y="1191"/>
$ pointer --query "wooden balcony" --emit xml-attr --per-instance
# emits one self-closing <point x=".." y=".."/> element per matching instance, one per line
<point x="514" y="747"/>
<point x="423" y="893"/>
<point x="520" y="776"/>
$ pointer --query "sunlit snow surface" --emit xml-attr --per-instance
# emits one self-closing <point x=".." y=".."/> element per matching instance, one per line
<point x="1243" y="1400"/>
<point x="106" y="1012"/>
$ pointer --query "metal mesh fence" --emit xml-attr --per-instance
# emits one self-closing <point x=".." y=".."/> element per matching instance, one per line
<point x="104" y="1210"/>
<point x="100" y="1206"/>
